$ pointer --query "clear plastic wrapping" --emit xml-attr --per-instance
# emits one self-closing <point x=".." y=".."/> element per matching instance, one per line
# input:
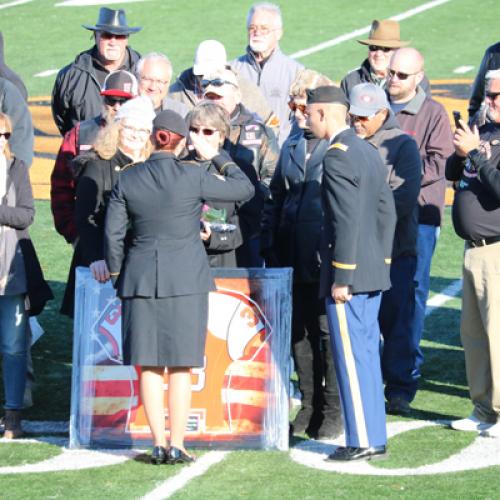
<point x="240" y="397"/>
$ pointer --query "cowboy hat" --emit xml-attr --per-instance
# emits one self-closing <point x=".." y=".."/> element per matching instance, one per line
<point x="384" y="33"/>
<point x="112" y="21"/>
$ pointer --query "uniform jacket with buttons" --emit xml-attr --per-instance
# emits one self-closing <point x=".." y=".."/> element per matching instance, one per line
<point x="160" y="202"/>
<point x="359" y="217"/>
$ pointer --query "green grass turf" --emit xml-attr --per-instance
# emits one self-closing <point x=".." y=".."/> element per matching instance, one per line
<point x="39" y="36"/>
<point x="22" y="454"/>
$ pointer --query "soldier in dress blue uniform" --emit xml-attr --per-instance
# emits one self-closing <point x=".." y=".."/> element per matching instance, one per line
<point x="356" y="247"/>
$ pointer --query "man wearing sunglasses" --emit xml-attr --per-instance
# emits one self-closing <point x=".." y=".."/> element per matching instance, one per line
<point x="383" y="40"/>
<point x="265" y="64"/>
<point x="374" y="121"/>
<point x="119" y="87"/>
<point x="253" y="147"/>
<point x="475" y="169"/>
<point x="427" y="122"/>
<point x="76" y="92"/>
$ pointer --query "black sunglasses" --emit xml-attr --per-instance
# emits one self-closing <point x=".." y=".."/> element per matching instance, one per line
<point x="400" y="74"/>
<point x="492" y="95"/>
<point x="112" y="100"/>
<point x="5" y="134"/>
<point x="204" y="131"/>
<point x="374" y="48"/>
<point x="217" y="82"/>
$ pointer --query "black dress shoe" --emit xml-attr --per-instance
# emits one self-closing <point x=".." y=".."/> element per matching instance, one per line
<point x="176" y="456"/>
<point x="158" y="455"/>
<point x="348" y="453"/>
<point x="398" y="406"/>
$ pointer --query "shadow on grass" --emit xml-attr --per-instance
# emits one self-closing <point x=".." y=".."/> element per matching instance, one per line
<point x="439" y="283"/>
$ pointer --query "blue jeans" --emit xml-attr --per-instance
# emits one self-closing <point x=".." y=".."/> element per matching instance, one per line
<point x="426" y="243"/>
<point x="13" y="345"/>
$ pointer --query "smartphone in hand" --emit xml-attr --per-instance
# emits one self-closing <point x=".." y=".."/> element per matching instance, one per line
<point x="457" y="117"/>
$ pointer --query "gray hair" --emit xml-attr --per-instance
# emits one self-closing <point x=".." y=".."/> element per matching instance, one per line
<point x="492" y="74"/>
<point x="269" y="7"/>
<point x="153" y="55"/>
<point x="308" y="79"/>
<point x="210" y="114"/>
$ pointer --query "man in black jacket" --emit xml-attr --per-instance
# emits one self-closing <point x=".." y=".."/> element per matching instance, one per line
<point x="76" y="94"/>
<point x="359" y="221"/>
<point x="475" y="169"/>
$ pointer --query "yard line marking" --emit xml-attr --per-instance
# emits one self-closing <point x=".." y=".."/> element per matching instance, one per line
<point x="450" y="292"/>
<point x="463" y="69"/>
<point x="366" y="29"/>
<point x="13" y="4"/>
<point x="49" y="72"/>
<point x="81" y="3"/>
<point x="174" y="484"/>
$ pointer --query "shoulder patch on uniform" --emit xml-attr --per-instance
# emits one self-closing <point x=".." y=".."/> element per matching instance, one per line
<point x="339" y="145"/>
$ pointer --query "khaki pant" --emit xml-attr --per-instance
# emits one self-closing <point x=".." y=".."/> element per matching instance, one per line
<point x="480" y="328"/>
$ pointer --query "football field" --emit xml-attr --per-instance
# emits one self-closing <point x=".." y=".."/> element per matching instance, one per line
<point x="426" y="459"/>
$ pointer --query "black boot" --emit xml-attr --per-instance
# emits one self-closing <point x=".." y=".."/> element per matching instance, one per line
<point x="332" y="424"/>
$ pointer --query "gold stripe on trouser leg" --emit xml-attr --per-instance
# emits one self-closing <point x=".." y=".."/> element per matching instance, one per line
<point x="352" y="375"/>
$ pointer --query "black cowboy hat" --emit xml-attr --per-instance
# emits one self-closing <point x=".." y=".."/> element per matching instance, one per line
<point x="112" y="21"/>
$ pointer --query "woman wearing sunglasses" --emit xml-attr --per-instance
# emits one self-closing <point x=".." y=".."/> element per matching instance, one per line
<point x="291" y="230"/>
<point x="119" y="145"/>
<point x="16" y="214"/>
<point x="220" y="229"/>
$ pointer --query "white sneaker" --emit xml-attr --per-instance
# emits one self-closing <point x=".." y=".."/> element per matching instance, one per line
<point x="493" y="431"/>
<point x="471" y="424"/>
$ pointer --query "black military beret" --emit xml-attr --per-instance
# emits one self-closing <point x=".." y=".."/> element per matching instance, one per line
<point x="327" y="94"/>
<point x="172" y="121"/>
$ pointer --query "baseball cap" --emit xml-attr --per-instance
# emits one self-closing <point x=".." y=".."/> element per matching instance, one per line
<point x="210" y="56"/>
<point x="367" y="99"/>
<point x="326" y="94"/>
<point x="120" y="83"/>
<point x="172" y="121"/>
<point x="219" y="82"/>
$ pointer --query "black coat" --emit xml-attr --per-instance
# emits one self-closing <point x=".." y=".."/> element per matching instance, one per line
<point x="161" y="201"/>
<point x="76" y="95"/>
<point x="92" y="195"/>
<point x="360" y="217"/>
<point x="293" y="216"/>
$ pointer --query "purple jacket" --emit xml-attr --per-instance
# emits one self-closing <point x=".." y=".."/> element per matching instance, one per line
<point x="426" y="121"/>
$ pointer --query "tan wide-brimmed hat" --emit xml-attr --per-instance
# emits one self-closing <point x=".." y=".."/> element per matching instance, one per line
<point x="384" y="33"/>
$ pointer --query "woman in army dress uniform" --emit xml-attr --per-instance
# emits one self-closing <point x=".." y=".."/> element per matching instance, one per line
<point x="163" y="277"/>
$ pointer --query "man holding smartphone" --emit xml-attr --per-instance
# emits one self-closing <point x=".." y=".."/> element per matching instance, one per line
<point x="475" y="166"/>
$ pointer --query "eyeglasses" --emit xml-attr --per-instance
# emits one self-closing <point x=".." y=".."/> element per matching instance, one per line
<point x="204" y="131"/>
<point x="160" y="83"/>
<point x="400" y="74"/>
<point x="108" y="36"/>
<point x="110" y="100"/>
<point x="263" y="30"/>
<point x="294" y="106"/>
<point x="5" y="134"/>
<point x="492" y="95"/>
<point x="133" y="130"/>
<point x="216" y="82"/>
<point x="374" y="48"/>
<point x="356" y="118"/>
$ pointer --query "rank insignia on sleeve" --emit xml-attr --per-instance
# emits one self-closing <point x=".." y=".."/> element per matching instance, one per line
<point x="339" y="145"/>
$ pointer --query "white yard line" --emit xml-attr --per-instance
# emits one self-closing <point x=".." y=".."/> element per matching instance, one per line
<point x="366" y="29"/>
<point x="174" y="484"/>
<point x="450" y="292"/>
<point x="82" y="3"/>
<point x="13" y="4"/>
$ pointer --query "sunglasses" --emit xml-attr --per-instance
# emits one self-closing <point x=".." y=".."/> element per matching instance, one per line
<point x="400" y="74"/>
<point x="108" y="36"/>
<point x="217" y="82"/>
<point x="374" y="48"/>
<point x="5" y="134"/>
<point x="301" y="107"/>
<point x="356" y="118"/>
<point x="111" y="100"/>
<point x="204" y="131"/>
<point x="492" y="95"/>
